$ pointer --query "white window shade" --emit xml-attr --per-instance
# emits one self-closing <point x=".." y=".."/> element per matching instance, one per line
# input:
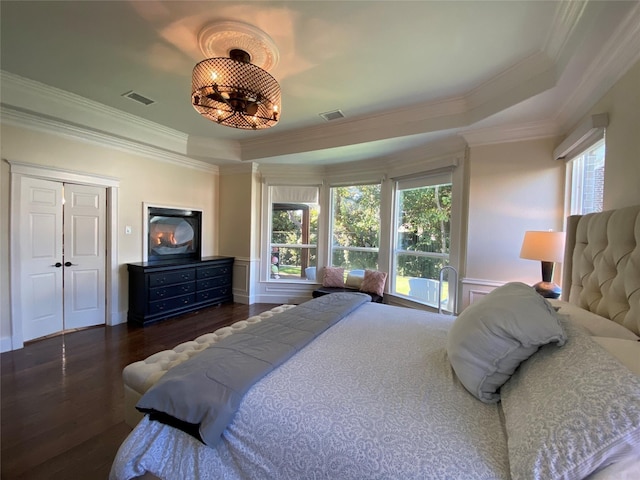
<point x="294" y="194"/>
<point x="443" y="178"/>
<point x="586" y="134"/>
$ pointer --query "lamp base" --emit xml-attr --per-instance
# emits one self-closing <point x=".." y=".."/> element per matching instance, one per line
<point x="548" y="289"/>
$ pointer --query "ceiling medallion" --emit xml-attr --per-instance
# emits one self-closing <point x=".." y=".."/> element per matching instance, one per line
<point x="217" y="39"/>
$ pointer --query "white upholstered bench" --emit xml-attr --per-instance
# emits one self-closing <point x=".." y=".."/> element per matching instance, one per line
<point x="139" y="376"/>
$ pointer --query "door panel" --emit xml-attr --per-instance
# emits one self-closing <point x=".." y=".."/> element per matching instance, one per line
<point x="40" y="250"/>
<point x="84" y="256"/>
<point x="45" y="287"/>
<point x="85" y="286"/>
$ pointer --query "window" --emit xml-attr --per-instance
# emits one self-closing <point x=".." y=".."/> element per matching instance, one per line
<point x="584" y="151"/>
<point x="422" y="240"/>
<point x="293" y="232"/>
<point x="585" y="180"/>
<point x="355" y="226"/>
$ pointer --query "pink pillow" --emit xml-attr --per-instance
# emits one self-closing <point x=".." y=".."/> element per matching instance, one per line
<point x="373" y="282"/>
<point x="333" y="277"/>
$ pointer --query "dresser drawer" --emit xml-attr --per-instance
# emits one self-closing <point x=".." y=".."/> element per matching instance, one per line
<point x="213" y="282"/>
<point x="171" y="303"/>
<point x="169" y="278"/>
<point x="213" y="293"/>
<point x="208" y="272"/>
<point x="159" y="293"/>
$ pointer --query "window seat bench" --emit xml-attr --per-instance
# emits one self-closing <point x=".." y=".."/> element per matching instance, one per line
<point x="327" y="290"/>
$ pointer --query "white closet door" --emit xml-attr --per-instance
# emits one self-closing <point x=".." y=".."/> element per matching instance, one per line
<point x="84" y="256"/>
<point x="41" y="258"/>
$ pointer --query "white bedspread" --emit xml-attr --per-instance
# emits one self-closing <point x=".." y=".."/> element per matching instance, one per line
<point x="374" y="397"/>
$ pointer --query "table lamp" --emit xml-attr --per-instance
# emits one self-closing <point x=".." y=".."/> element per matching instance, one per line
<point x="548" y="247"/>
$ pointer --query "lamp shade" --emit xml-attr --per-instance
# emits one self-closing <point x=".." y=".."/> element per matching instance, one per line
<point x="236" y="93"/>
<point x="543" y="246"/>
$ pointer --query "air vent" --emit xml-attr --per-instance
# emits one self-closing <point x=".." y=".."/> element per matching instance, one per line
<point x="334" y="115"/>
<point x="138" y="98"/>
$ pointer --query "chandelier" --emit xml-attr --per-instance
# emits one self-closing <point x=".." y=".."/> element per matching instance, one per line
<point x="231" y="90"/>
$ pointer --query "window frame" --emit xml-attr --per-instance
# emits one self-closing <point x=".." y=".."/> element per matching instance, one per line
<point x="575" y="172"/>
<point x="268" y="246"/>
<point x="584" y="136"/>
<point x="330" y="221"/>
<point x="426" y="180"/>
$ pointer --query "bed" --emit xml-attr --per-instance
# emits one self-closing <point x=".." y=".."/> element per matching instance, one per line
<point x="514" y="387"/>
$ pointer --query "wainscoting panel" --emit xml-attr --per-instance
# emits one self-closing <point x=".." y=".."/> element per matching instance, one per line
<point x="244" y="269"/>
<point x="474" y="289"/>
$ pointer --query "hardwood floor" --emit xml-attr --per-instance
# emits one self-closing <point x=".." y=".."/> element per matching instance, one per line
<point x="62" y="397"/>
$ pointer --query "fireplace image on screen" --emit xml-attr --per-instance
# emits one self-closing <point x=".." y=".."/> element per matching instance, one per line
<point x="174" y="234"/>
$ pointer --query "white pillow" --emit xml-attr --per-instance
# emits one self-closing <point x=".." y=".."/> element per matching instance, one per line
<point x="570" y="411"/>
<point x="490" y="338"/>
<point x="595" y="324"/>
<point x="627" y="351"/>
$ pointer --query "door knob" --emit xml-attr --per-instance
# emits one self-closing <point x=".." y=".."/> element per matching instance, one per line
<point x="57" y="265"/>
<point x="69" y="264"/>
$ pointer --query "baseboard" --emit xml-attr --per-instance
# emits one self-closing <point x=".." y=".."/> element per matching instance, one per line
<point x="283" y="299"/>
<point x="5" y="344"/>
<point x="243" y="299"/>
<point x="117" y="318"/>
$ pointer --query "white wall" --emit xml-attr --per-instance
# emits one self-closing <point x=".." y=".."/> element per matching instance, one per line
<point x="141" y="180"/>
<point x="240" y="226"/>
<point x="513" y="187"/>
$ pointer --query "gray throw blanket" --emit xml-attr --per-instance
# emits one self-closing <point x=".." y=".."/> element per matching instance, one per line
<point x="201" y="395"/>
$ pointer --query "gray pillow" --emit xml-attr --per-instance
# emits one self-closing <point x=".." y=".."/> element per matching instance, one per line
<point x="491" y="337"/>
<point x="571" y="411"/>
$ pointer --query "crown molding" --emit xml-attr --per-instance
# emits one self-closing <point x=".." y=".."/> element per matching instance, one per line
<point x="213" y="150"/>
<point x="531" y="76"/>
<point x="36" y="122"/>
<point x="619" y="53"/>
<point x="512" y="133"/>
<point x="28" y="95"/>
<point x="568" y="14"/>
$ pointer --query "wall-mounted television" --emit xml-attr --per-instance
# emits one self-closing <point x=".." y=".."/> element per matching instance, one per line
<point x="173" y="234"/>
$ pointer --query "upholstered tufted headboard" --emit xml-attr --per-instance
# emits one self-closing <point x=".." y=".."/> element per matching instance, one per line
<point x="601" y="271"/>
